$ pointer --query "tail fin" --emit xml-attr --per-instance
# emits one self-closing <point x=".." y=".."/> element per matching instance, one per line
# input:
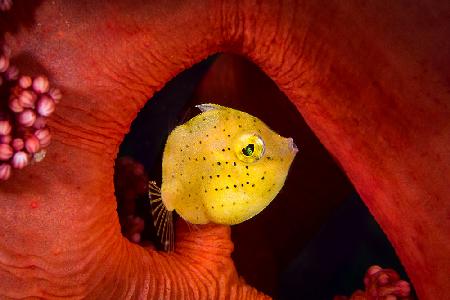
<point x="162" y="218"/>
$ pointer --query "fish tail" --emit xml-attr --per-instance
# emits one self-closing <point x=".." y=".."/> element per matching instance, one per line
<point x="162" y="218"/>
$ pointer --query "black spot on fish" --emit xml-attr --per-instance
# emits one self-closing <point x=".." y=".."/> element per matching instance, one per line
<point x="262" y="178"/>
<point x="235" y="186"/>
<point x="218" y="175"/>
<point x="229" y="175"/>
<point x="223" y="150"/>
<point x="204" y="158"/>
<point x="218" y="163"/>
<point x="234" y="163"/>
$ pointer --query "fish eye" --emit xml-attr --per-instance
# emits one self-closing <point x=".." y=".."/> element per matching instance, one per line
<point x="250" y="148"/>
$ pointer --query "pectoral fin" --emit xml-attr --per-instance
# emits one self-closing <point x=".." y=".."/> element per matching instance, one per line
<point x="208" y="106"/>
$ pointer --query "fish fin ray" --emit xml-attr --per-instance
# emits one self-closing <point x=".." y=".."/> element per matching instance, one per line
<point x="208" y="106"/>
<point x="162" y="218"/>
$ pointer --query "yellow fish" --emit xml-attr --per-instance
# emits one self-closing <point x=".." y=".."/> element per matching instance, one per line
<point x="222" y="166"/>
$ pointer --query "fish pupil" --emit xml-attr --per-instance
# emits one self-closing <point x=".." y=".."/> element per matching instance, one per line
<point x="248" y="150"/>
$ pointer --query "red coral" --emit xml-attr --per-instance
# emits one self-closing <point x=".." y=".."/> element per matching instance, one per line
<point x="381" y="284"/>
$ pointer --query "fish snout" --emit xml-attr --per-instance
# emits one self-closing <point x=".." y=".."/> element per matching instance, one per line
<point x="292" y="146"/>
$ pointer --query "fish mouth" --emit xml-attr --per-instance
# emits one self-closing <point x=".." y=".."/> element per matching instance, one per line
<point x="292" y="146"/>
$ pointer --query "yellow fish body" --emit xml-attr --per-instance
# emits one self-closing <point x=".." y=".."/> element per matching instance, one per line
<point x="222" y="166"/>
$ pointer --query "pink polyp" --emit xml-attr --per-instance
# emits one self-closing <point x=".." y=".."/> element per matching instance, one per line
<point x="17" y="144"/>
<point x="12" y="73"/>
<point x="32" y="144"/>
<point x="40" y="84"/>
<point x="27" y="118"/>
<point x="6" y="151"/>
<point x="4" y="63"/>
<point x="44" y="136"/>
<point x="5" y="171"/>
<point x="19" y="160"/>
<point x="373" y="269"/>
<point x="25" y="82"/>
<point x="5" y="127"/>
<point x="27" y="99"/>
<point x="6" y="50"/>
<point x="5" y="5"/>
<point x="55" y="94"/>
<point x="15" y="106"/>
<point x="404" y="288"/>
<point x="45" y="106"/>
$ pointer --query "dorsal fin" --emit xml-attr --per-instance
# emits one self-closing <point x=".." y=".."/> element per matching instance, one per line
<point x="162" y="218"/>
<point x="208" y="106"/>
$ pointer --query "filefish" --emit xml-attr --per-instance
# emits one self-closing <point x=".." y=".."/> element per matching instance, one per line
<point x="222" y="166"/>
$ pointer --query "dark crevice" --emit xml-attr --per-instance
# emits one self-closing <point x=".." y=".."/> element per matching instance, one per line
<point x="287" y="237"/>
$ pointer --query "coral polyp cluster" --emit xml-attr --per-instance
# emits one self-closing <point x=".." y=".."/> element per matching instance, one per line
<point x="25" y="105"/>
<point x="381" y="284"/>
<point x="131" y="183"/>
